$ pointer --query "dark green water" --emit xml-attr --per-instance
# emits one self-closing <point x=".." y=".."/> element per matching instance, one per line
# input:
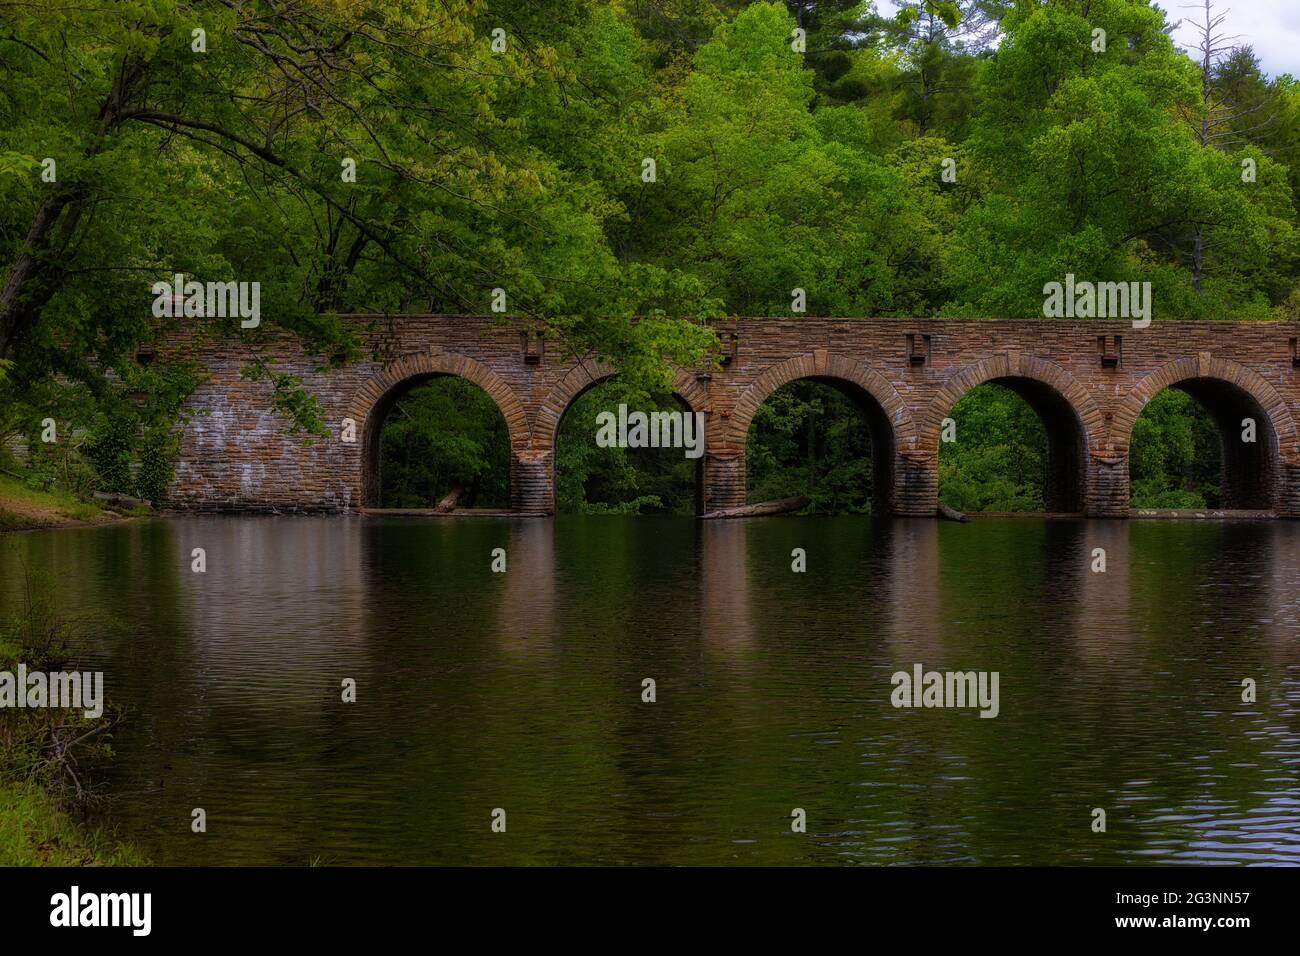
<point x="523" y="690"/>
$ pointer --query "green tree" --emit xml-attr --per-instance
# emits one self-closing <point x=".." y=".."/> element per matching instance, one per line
<point x="941" y="42"/>
<point x="1175" y="454"/>
<point x="833" y="29"/>
<point x="997" y="461"/>
<point x="445" y="434"/>
<point x="613" y="480"/>
<point x="1095" y="176"/>
<point x="757" y="195"/>
<point x="811" y="439"/>
<point x="221" y="155"/>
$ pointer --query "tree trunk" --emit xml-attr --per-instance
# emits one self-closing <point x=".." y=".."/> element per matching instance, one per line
<point x="778" y="507"/>
<point x="952" y="514"/>
<point x="38" y="270"/>
<point x="450" y="500"/>
<point x="1198" y="257"/>
<point x="31" y="283"/>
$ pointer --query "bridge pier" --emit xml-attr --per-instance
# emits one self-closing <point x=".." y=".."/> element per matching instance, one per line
<point x="1288" y="499"/>
<point x="724" y="479"/>
<point x="532" y="481"/>
<point x="916" y="485"/>
<point x="1108" y="486"/>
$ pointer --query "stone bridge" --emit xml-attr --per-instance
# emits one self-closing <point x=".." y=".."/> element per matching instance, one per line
<point x="1088" y="381"/>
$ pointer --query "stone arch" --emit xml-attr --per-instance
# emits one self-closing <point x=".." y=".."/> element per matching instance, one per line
<point x="587" y="375"/>
<point x="825" y="365"/>
<point x="370" y="404"/>
<point x="1075" y="425"/>
<point x="1253" y="477"/>
<point x="889" y="420"/>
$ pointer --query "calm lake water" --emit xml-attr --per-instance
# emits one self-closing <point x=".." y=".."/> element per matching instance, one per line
<point x="522" y="690"/>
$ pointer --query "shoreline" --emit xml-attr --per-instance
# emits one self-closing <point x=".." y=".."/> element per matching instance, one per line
<point x="39" y="825"/>
<point x="25" y="509"/>
<point x="35" y="832"/>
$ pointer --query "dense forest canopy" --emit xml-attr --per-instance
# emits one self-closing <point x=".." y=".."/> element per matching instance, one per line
<point x="596" y="160"/>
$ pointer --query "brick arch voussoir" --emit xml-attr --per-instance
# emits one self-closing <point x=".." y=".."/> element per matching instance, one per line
<point x="367" y="397"/>
<point x="825" y="365"/>
<point x="1011" y="365"/>
<point x="1220" y="369"/>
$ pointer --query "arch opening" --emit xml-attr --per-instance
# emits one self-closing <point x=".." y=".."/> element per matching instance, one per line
<point x="1013" y="444"/>
<point x="432" y="434"/>
<point x="593" y="476"/>
<point x="825" y="438"/>
<point x="1204" y="443"/>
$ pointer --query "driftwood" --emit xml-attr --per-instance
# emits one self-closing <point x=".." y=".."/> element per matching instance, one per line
<point x="449" y="501"/>
<point x="952" y="514"/>
<point x="778" y="507"/>
<point x="114" y="500"/>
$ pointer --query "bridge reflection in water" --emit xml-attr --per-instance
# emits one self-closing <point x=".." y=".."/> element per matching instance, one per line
<point x="1119" y="689"/>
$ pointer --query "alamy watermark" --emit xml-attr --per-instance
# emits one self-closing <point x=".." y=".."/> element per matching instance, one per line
<point x="653" y="430"/>
<point x="75" y="908"/>
<point x="922" y="688"/>
<point x="194" y="299"/>
<point x="60" y="689"/>
<point x="1098" y="300"/>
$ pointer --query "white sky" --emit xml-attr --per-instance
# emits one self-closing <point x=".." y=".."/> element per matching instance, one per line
<point x="1272" y="27"/>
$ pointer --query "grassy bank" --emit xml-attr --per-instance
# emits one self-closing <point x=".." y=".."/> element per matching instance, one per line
<point x="22" y="508"/>
<point x="46" y="752"/>
<point x="34" y="832"/>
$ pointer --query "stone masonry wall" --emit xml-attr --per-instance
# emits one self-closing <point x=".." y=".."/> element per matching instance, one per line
<point x="238" y="454"/>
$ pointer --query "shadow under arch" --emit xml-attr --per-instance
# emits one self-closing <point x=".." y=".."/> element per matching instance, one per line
<point x="1253" y="475"/>
<point x="374" y="399"/>
<point x="888" y="419"/>
<point x="1075" y="426"/>
<point x="889" y="422"/>
<point x="587" y="375"/>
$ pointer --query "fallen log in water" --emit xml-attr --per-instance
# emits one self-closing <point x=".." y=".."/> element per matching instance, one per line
<point x="952" y="514"/>
<point x="449" y="501"/>
<point x="111" y="499"/>
<point x="778" y="507"/>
